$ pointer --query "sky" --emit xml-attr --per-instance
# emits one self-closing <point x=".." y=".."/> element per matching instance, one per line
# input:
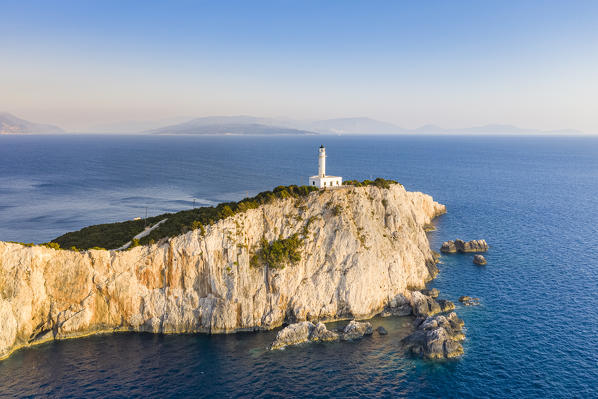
<point x="86" y="64"/>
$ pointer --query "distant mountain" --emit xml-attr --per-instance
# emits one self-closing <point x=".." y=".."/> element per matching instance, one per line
<point x="250" y="125"/>
<point x="243" y="124"/>
<point x="234" y="125"/>
<point x="354" y="126"/>
<point x="10" y="124"/>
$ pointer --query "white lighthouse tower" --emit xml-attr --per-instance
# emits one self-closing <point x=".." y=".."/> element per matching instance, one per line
<point x="321" y="180"/>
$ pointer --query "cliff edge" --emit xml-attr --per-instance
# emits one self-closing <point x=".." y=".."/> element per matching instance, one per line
<point x="357" y="251"/>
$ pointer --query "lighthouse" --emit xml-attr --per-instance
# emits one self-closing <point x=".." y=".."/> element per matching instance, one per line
<point x="321" y="180"/>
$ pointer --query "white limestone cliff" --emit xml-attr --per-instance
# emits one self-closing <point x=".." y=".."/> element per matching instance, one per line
<point x="365" y="249"/>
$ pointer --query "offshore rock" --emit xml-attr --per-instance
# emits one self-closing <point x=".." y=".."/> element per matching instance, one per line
<point x="462" y="246"/>
<point x="437" y="337"/>
<point x="354" y="264"/>
<point x="469" y="301"/>
<point x="381" y="331"/>
<point x="355" y="330"/>
<point x="479" y="260"/>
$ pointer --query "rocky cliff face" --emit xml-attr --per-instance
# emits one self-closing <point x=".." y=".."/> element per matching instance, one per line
<point x="364" y="249"/>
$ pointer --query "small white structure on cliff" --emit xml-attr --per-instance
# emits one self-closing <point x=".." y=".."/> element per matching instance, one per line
<point x="321" y="180"/>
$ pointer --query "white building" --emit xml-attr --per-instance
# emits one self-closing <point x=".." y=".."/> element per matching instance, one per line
<point x="321" y="180"/>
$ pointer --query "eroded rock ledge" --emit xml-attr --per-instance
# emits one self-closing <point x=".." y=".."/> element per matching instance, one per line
<point x="363" y="249"/>
<point x="462" y="246"/>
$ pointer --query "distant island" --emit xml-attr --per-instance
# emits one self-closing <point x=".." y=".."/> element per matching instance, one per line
<point x="229" y="126"/>
<point x="250" y="125"/>
<point x="10" y="124"/>
<point x="258" y="126"/>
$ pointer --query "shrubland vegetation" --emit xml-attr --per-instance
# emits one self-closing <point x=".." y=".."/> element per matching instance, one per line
<point x="114" y="235"/>
<point x="379" y="182"/>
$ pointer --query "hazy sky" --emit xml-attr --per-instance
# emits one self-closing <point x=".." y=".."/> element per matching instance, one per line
<point x="452" y="63"/>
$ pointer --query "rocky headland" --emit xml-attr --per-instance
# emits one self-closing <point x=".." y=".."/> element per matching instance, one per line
<point x="357" y="252"/>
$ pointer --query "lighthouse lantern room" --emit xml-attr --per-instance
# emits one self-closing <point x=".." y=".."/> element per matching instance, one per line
<point x="321" y="180"/>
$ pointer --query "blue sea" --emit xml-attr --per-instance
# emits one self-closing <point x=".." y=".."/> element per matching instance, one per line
<point x="535" y="200"/>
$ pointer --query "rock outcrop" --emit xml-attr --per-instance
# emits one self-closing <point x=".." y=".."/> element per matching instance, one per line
<point x="307" y="331"/>
<point x="479" y="260"/>
<point x="437" y="337"/>
<point x="469" y="301"/>
<point x="462" y="246"/>
<point x="363" y="250"/>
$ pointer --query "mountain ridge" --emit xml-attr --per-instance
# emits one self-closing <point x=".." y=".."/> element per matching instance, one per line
<point x="10" y="124"/>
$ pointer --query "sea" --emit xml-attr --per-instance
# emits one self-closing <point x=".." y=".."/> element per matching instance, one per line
<point x="534" y="200"/>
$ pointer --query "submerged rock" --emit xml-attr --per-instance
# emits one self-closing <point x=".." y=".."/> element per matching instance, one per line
<point x="462" y="246"/>
<point x="479" y="260"/>
<point x="381" y="330"/>
<point x="436" y="337"/>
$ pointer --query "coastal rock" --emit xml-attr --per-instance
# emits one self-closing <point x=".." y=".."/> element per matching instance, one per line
<point x="293" y="334"/>
<point x="423" y="305"/>
<point x="445" y="305"/>
<point x="469" y="301"/>
<point x="448" y="247"/>
<point x="353" y="264"/>
<point x="433" y="292"/>
<point x="355" y="330"/>
<point x="322" y="334"/>
<point x="437" y="337"/>
<point x="398" y="306"/>
<point x="479" y="260"/>
<point x="381" y="331"/>
<point x="462" y="246"/>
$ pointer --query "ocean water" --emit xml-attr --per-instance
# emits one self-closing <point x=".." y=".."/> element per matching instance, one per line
<point x="535" y="200"/>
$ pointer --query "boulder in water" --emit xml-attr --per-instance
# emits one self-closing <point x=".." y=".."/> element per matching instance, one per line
<point x="293" y="334"/>
<point x="437" y="337"/>
<point x="355" y="330"/>
<point x="479" y="260"/>
<point x="381" y="330"/>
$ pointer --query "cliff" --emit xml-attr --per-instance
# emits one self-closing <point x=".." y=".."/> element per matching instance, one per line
<point x="362" y="250"/>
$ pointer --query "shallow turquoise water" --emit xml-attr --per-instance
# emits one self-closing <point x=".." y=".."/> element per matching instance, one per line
<point x="535" y="200"/>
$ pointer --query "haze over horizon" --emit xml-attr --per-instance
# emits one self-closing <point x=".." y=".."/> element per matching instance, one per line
<point x="80" y="65"/>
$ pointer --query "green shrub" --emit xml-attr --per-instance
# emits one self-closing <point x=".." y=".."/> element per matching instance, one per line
<point x="278" y="253"/>
<point x="197" y="225"/>
<point x="52" y="245"/>
<point x="379" y="182"/>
